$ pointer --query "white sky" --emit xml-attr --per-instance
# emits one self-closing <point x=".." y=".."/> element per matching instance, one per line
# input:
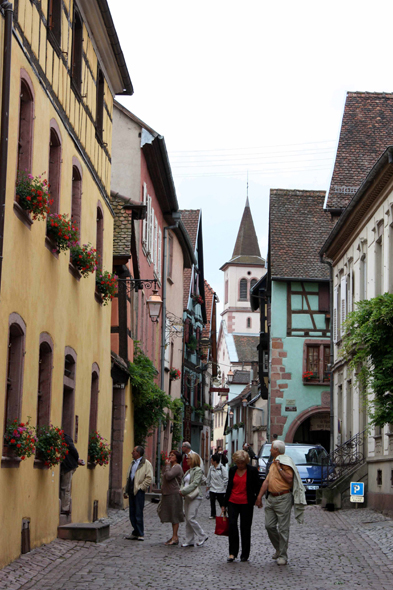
<point x="249" y="85"/>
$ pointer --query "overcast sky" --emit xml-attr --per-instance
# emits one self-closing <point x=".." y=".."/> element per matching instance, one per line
<point x="249" y="86"/>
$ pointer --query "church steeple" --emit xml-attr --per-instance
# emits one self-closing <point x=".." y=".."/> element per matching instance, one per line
<point x="246" y="241"/>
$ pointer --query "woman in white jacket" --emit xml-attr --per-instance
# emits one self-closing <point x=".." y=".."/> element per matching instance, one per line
<point x="217" y="481"/>
<point x="191" y="492"/>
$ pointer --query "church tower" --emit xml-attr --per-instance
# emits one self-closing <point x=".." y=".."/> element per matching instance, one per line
<point x="241" y="272"/>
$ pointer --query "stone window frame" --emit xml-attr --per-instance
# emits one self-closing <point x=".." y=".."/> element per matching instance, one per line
<point x="100" y="235"/>
<point x="13" y="407"/>
<point x="321" y="344"/>
<point x="100" y="94"/>
<point x="76" y="194"/>
<point x="26" y="122"/>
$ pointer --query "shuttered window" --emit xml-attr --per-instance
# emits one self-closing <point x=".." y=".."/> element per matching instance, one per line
<point x="243" y="289"/>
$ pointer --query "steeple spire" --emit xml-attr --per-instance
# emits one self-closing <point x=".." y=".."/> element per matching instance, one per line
<point x="246" y="241"/>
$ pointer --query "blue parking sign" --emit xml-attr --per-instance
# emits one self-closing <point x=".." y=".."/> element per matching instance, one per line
<point x="357" y="488"/>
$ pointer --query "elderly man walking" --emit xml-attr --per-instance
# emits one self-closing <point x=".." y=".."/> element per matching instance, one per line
<point x="139" y="478"/>
<point x="284" y="487"/>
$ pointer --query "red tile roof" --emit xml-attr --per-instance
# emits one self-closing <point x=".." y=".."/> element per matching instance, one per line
<point x="209" y="294"/>
<point x="366" y="131"/>
<point x="190" y="219"/>
<point x="298" y="228"/>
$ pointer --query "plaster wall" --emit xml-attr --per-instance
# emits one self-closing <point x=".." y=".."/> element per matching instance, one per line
<point x="40" y="288"/>
<point x="365" y="263"/>
<point x="286" y="358"/>
<point x="233" y="274"/>
<point x="126" y="154"/>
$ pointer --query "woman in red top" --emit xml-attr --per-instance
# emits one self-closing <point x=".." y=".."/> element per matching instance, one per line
<point x="242" y="491"/>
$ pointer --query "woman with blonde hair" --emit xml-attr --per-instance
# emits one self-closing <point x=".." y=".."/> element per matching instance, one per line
<point x="191" y="492"/>
<point x="242" y="491"/>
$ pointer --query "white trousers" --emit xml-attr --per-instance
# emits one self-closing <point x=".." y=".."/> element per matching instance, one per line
<point x="193" y="528"/>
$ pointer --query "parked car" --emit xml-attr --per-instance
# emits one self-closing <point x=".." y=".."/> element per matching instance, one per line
<point x="308" y="459"/>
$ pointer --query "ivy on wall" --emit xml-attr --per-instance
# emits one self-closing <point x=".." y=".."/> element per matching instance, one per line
<point x="368" y="348"/>
<point x="149" y="400"/>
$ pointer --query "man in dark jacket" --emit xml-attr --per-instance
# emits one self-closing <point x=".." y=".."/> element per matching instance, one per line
<point x="68" y="467"/>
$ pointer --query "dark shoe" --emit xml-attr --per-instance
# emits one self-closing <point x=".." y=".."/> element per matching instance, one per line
<point x="172" y="543"/>
<point x="244" y="559"/>
<point x="131" y="538"/>
<point x="230" y="559"/>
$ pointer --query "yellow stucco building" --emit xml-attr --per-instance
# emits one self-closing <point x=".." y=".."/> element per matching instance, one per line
<point x="55" y="363"/>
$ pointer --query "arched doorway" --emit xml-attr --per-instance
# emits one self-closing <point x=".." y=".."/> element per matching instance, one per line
<point x="311" y="427"/>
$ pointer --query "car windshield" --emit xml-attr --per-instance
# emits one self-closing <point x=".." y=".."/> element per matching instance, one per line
<point x="301" y="455"/>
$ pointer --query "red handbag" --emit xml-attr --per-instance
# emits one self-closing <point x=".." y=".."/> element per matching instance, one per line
<point x="222" y="526"/>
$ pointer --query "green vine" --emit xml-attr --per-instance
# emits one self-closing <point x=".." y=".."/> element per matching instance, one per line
<point x="149" y="400"/>
<point x="368" y="348"/>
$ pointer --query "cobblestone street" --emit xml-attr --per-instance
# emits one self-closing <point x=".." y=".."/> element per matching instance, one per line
<point x="350" y="549"/>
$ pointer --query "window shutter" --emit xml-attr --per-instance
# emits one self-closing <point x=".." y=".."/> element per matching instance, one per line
<point x="343" y="302"/>
<point x="335" y="306"/>
<point x="159" y="254"/>
<point x="154" y="253"/>
<point x="149" y="212"/>
<point x="324" y="300"/>
<point x="350" y="291"/>
<point x="144" y="222"/>
<point x="186" y="331"/>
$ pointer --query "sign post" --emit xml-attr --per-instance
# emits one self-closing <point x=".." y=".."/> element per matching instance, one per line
<point x="357" y="492"/>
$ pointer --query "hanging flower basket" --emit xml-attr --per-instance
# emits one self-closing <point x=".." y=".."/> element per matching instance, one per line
<point x="33" y="196"/>
<point x="84" y="258"/>
<point x="197" y="299"/>
<point x="99" y="451"/>
<point x="106" y="285"/>
<point x="51" y="445"/>
<point x="174" y="374"/>
<point x="62" y="231"/>
<point x="192" y="343"/>
<point x="20" y="439"/>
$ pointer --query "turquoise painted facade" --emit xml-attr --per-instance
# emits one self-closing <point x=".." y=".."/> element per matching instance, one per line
<point x="299" y="342"/>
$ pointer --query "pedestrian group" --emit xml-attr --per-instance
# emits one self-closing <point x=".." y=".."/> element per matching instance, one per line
<point x="236" y="491"/>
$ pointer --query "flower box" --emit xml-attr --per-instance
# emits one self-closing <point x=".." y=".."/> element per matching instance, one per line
<point x="98" y="451"/>
<point x="62" y="231"/>
<point x="106" y="285"/>
<point x="32" y="195"/>
<point x="84" y="258"/>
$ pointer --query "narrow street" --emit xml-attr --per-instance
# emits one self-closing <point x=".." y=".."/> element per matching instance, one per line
<point x="350" y="549"/>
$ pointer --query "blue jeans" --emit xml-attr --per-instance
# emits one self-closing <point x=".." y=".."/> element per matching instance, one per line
<point x="136" y="505"/>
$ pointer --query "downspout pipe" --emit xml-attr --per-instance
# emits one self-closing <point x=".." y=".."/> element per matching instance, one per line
<point x="163" y="332"/>
<point x="5" y="113"/>
<point x="323" y="261"/>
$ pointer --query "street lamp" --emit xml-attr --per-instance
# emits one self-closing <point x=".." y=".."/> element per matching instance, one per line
<point x="230" y="375"/>
<point x="154" y="304"/>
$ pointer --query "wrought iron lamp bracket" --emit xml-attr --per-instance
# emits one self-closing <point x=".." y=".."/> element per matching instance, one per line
<point x="137" y="284"/>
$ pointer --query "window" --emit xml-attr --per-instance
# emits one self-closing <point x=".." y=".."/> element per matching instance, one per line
<point x="187" y="330"/>
<point x="15" y="363"/>
<point x="248" y="322"/>
<point x="170" y="256"/>
<point x="379" y="477"/>
<point x="44" y="380"/>
<point x="54" y="166"/>
<point x="363" y="278"/>
<point x="159" y="241"/>
<point x="26" y="118"/>
<point x="67" y="420"/>
<point x="76" y="198"/>
<point x="252" y="283"/>
<point x="77" y="54"/>
<point x="54" y="23"/>
<point x="316" y="358"/>
<point x="100" y="105"/>
<point x="243" y="289"/>
<point x="100" y="235"/>
<point x="323" y="297"/>
<point x="94" y="398"/>
<point x="379" y="261"/>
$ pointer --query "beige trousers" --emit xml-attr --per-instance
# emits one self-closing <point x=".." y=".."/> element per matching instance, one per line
<point x="65" y="490"/>
<point x="277" y="520"/>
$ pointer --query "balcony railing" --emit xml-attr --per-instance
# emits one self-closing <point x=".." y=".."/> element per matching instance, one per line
<point x="352" y="453"/>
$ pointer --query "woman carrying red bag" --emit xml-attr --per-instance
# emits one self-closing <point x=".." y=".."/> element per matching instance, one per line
<point x="242" y="491"/>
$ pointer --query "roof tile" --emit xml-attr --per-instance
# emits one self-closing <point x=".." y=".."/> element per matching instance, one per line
<point x="366" y="131"/>
<point x="298" y="227"/>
